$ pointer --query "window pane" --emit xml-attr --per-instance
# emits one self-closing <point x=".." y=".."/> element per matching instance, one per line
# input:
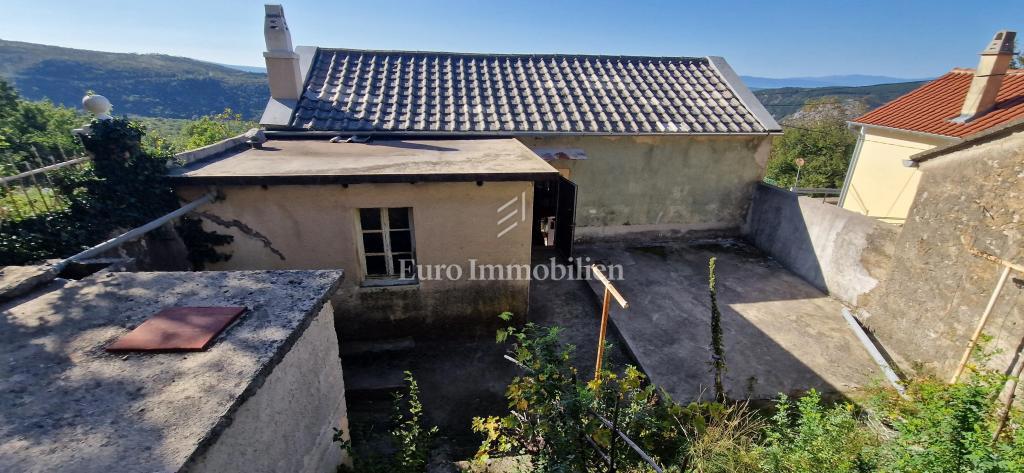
<point x="376" y="266"/>
<point x="406" y="263"/>
<point x="398" y="217"/>
<point x="401" y="241"/>
<point x="369" y="219"/>
<point x="373" y="242"/>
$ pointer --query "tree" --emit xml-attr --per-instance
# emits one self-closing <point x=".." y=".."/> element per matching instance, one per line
<point x="29" y="127"/>
<point x="210" y="129"/>
<point x="820" y="136"/>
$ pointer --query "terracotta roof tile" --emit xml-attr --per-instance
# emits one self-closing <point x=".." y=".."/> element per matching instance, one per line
<point x="929" y="108"/>
<point x="395" y="91"/>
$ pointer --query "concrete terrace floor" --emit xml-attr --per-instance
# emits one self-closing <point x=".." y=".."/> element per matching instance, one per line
<point x="781" y="334"/>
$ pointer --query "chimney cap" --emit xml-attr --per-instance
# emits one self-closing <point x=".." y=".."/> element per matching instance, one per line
<point x="1002" y="43"/>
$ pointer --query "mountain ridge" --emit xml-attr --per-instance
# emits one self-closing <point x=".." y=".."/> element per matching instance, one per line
<point x="156" y="85"/>
<point x="842" y="80"/>
<point x="164" y="86"/>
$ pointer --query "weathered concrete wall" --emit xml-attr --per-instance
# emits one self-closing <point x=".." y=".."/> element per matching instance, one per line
<point x="288" y="425"/>
<point x="314" y="227"/>
<point x="660" y="186"/>
<point x="937" y="290"/>
<point x="838" y="251"/>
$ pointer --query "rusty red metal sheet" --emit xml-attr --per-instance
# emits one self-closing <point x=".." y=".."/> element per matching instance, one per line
<point x="178" y="329"/>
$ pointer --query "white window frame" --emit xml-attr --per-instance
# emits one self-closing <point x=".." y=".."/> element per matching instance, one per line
<point x="388" y="254"/>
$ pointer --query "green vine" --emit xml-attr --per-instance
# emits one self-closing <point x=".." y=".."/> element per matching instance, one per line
<point x="717" y="345"/>
<point x="123" y="187"/>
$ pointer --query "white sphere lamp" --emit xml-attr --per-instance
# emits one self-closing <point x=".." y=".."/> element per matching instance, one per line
<point x="97" y="105"/>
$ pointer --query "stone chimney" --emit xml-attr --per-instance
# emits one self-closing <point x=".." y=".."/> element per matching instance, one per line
<point x="995" y="60"/>
<point x="282" y="61"/>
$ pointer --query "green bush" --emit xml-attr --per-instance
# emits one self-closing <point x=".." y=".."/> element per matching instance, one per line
<point x="943" y="427"/>
<point x="210" y="129"/>
<point x="409" y="437"/>
<point x="554" y="418"/>
<point x="124" y="186"/>
<point x="807" y="437"/>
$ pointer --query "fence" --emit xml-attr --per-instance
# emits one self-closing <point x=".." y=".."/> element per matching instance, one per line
<point x="30" y="188"/>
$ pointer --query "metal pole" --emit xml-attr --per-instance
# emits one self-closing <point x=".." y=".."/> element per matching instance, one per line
<point x="135" y="232"/>
<point x="981" y="324"/>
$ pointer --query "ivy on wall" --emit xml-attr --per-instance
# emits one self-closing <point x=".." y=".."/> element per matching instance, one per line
<point x="125" y="186"/>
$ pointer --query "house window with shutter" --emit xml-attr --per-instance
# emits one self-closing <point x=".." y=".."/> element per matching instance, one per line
<point x="387" y="241"/>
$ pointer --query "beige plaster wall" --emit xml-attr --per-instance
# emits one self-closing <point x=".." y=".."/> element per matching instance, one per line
<point x="881" y="186"/>
<point x="315" y="227"/>
<point x="660" y="185"/>
<point x="288" y="424"/>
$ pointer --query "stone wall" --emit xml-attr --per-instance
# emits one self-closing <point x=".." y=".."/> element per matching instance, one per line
<point x="660" y="186"/>
<point x="838" y="251"/>
<point x="938" y="290"/>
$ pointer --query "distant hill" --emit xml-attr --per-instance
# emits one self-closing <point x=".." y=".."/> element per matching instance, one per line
<point x="849" y="80"/>
<point x="157" y="85"/>
<point x="256" y="69"/>
<point x="154" y="85"/>
<point x="786" y="101"/>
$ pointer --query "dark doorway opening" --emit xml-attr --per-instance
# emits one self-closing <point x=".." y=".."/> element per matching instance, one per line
<point x="554" y="212"/>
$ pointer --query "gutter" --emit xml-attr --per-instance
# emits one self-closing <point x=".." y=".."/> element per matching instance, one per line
<point x="951" y="139"/>
<point x="347" y="179"/>
<point x="462" y="135"/>
<point x="876" y="355"/>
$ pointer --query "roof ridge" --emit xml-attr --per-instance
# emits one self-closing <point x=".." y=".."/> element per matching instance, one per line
<point x="456" y="53"/>
<point x="971" y="70"/>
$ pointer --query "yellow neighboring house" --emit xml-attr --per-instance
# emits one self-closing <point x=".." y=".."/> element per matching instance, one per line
<point x="881" y="181"/>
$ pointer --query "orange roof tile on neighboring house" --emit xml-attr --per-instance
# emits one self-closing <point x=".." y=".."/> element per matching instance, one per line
<point x="931" y="107"/>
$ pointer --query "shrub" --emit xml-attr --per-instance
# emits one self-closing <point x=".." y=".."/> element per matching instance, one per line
<point x="210" y="129"/>
<point x="944" y="428"/>
<point x="806" y="437"/>
<point x="561" y="420"/>
<point x="409" y="437"/>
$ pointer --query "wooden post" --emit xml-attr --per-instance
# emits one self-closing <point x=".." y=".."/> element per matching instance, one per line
<point x="981" y="324"/>
<point x="609" y="292"/>
<point x="1007" y="395"/>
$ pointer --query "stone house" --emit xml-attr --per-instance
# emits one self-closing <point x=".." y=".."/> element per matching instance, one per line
<point x="937" y="287"/>
<point x="881" y="181"/>
<point x="448" y="146"/>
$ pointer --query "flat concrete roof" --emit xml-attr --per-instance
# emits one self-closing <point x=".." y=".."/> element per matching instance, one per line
<point x="68" y="405"/>
<point x="318" y="161"/>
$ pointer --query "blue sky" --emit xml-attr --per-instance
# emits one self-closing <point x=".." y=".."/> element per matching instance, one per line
<point x="775" y="39"/>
